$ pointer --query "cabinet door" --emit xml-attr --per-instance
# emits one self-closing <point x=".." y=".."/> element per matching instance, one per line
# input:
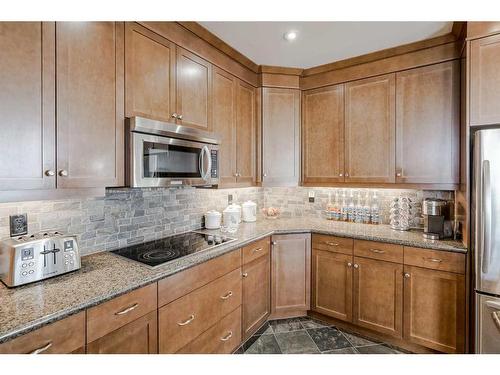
<point x="256" y="294"/>
<point x="427" y="124"/>
<point x="137" y="337"/>
<point x="332" y="284"/>
<point x="290" y="274"/>
<point x="323" y="135"/>
<point x="194" y="81"/>
<point x="434" y="309"/>
<point x="149" y="74"/>
<point x="484" y="81"/>
<point x="224" y="111"/>
<point x="246" y="117"/>
<point x="280" y="136"/>
<point x="378" y="295"/>
<point x="90" y="100"/>
<point x="370" y="130"/>
<point x="27" y="105"/>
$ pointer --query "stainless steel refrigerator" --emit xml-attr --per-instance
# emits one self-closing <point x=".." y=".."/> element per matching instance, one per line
<point x="486" y="234"/>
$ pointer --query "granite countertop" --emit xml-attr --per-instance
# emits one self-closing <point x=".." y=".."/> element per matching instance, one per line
<point x="105" y="275"/>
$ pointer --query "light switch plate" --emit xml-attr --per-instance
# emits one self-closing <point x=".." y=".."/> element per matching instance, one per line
<point x="311" y="197"/>
<point x="18" y="225"/>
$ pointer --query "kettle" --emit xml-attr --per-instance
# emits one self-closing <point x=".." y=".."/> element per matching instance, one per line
<point x="249" y="211"/>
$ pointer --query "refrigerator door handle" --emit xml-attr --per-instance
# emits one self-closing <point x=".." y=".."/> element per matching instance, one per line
<point x="495" y="315"/>
<point x="486" y="216"/>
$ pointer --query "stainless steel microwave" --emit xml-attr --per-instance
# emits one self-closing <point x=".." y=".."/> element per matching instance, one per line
<point x="161" y="154"/>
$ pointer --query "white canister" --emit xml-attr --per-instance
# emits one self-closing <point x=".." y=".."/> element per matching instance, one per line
<point x="249" y="211"/>
<point x="213" y="219"/>
<point x="232" y="215"/>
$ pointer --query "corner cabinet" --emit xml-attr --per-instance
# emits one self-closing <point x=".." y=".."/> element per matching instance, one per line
<point x="290" y="275"/>
<point x="427" y="124"/>
<point x="90" y="109"/>
<point x="280" y="137"/>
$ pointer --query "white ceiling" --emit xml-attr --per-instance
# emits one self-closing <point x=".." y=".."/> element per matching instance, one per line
<point x="319" y="43"/>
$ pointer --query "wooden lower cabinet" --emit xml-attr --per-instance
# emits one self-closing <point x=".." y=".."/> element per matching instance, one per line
<point x="256" y="294"/>
<point x="223" y="338"/>
<point x="378" y="296"/>
<point x="290" y="275"/>
<point x="434" y="309"/>
<point x="137" y="337"/>
<point x="332" y="284"/>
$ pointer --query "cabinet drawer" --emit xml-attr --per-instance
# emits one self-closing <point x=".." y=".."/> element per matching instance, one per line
<point x="222" y="338"/>
<point x="65" y="336"/>
<point x="378" y="250"/>
<point x="189" y="316"/>
<point x="435" y="259"/>
<point x="182" y="283"/>
<point x="114" y="314"/>
<point x="331" y="243"/>
<point x="256" y="250"/>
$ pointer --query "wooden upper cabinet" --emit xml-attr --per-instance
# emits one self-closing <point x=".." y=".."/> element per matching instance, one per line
<point x="149" y="74"/>
<point x="370" y="130"/>
<point x="194" y="90"/>
<point x="90" y="101"/>
<point x="290" y="274"/>
<point x="280" y="137"/>
<point x="246" y="120"/>
<point x="332" y="284"/>
<point x="323" y="135"/>
<point x="484" y="81"/>
<point x="427" y="124"/>
<point x="27" y="69"/>
<point x="224" y="112"/>
<point x="434" y="309"/>
<point x="378" y="296"/>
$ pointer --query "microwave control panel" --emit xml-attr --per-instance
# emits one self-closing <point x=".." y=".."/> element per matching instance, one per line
<point x="214" y="156"/>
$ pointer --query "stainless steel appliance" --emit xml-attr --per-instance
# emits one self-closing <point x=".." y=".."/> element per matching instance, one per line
<point x="165" y="154"/>
<point x="486" y="238"/>
<point x="158" y="252"/>
<point x="32" y="258"/>
<point x="437" y="223"/>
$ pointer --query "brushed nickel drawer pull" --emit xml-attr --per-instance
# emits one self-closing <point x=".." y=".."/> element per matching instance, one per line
<point x="191" y="318"/>
<point x="356" y="265"/>
<point x="377" y="251"/>
<point x="329" y="243"/>
<point x="257" y="250"/>
<point x="434" y="260"/>
<point x="349" y="264"/>
<point x="42" y="349"/>
<point x="128" y="309"/>
<point x="229" y="294"/>
<point x="227" y="337"/>
<point x="245" y="274"/>
<point x="407" y="275"/>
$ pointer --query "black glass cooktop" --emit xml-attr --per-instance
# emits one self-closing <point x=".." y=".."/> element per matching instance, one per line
<point x="158" y="252"/>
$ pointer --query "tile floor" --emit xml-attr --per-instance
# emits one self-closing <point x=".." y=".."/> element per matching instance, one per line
<point x="310" y="336"/>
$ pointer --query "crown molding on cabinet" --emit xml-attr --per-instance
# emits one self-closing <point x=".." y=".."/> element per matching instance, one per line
<point x="481" y="29"/>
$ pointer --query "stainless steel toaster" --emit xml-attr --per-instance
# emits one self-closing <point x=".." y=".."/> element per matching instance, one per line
<point x="27" y="259"/>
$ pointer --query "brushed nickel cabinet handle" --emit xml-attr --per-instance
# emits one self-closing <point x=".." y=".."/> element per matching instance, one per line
<point x="227" y="295"/>
<point x="49" y="172"/>
<point x="245" y="274"/>
<point x="257" y="250"/>
<point x="329" y="243"/>
<point x="341" y="175"/>
<point x="274" y="242"/>
<point x="175" y="115"/>
<point x="349" y="264"/>
<point x="179" y="117"/>
<point x="433" y="260"/>
<point x="377" y="251"/>
<point x="264" y="175"/>
<point x="356" y="265"/>
<point x="186" y="322"/>
<point x="128" y="309"/>
<point x="398" y="174"/>
<point x="347" y="174"/>
<point x="42" y="349"/>
<point x="227" y="337"/>
<point x="407" y="275"/>
<point x="63" y="173"/>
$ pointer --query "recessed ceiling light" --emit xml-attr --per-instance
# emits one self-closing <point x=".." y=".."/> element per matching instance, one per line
<point x="290" y="35"/>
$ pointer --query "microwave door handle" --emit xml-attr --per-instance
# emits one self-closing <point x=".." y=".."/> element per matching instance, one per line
<point x="205" y="152"/>
<point x="486" y="216"/>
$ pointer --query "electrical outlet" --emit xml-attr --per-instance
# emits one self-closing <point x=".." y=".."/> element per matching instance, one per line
<point x="18" y="225"/>
<point x="311" y="197"/>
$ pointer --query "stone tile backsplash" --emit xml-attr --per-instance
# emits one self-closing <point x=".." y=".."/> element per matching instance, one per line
<point x="128" y="216"/>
